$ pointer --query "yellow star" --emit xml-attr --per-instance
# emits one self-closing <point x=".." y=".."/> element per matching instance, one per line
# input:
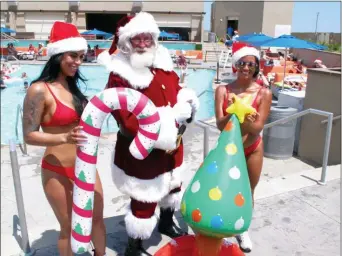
<point x="240" y="108"/>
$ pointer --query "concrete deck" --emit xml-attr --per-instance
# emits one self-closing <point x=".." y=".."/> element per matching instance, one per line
<point x="293" y="215"/>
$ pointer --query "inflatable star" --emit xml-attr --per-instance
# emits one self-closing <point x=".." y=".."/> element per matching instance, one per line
<point x="240" y="108"/>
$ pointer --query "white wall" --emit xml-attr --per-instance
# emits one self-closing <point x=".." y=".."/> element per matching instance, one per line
<point x="3" y="19"/>
<point x="173" y="20"/>
<point x="41" y="23"/>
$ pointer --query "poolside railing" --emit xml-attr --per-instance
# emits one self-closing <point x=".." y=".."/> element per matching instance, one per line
<point x="22" y="146"/>
<point x="207" y="127"/>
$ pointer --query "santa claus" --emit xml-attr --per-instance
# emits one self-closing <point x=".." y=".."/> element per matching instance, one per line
<point x="153" y="184"/>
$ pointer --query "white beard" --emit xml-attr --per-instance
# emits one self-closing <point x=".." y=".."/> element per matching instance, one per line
<point x="143" y="60"/>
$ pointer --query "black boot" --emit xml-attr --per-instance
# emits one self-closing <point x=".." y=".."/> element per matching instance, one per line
<point x="135" y="248"/>
<point x="167" y="226"/>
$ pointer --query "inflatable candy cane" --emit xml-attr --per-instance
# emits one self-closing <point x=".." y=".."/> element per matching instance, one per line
<point x="85" y="169"/>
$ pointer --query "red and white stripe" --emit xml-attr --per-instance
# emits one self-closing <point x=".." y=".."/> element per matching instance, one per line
<point x="85" y="168"/>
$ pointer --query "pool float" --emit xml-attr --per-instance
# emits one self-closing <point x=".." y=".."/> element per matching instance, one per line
<point x="92" y="119"/>
<point x="218" y="201"/>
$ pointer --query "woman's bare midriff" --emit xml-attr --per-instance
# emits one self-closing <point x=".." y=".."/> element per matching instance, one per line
<point x="249" y="139"/>
<point x="61" y="155"/>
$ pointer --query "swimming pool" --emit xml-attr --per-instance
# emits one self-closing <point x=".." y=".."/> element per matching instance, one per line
<point x="104" y="44"/>
<point x="97" y="76"/>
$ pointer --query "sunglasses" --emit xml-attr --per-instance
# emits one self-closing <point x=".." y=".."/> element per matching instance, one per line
<point x="147" y="41"/>
<point x="250" y="64"/>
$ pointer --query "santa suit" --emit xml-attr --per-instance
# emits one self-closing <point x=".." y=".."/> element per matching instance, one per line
<point x="156" y="180"/>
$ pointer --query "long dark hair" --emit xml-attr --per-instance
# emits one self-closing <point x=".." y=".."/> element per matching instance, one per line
<point x="257" y="68"/>
<point x="50" y="73"/>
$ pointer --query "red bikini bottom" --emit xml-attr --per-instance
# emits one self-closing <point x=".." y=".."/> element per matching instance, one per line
<point x="65" y="171"/>
<point x="250" y="149"/>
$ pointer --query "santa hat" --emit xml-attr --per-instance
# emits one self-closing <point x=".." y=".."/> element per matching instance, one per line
<point x="130" y="26"/>
<point x="64" y="37"/>
<point x="318" y="61"/>
<point x="241" y="50"/>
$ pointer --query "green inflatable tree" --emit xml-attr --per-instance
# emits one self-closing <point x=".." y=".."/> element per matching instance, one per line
<point x="81" y="250"/>
<point x="89" y="120"/>
<point x="82" y="176"/>
<point x="89" y="205"/>
<point x="218" y="200"/>
<point x="95" y="153"/>
<point x="78" y="229"/>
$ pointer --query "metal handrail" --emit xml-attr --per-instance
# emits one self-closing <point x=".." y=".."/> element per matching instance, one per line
<point x="199" y="95"/>
<point x="23" y="146"/>
<point x="9" y="37"/>
<point x="330" y="116"/>
<point x="210" y="51"/>
<point x="15" y="59"/>
<point x="334" y="119"/>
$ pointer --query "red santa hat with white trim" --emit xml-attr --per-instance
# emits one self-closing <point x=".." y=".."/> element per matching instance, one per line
<point x="64" y="37"/>
<point x="240" y="50"/>
<point x="128" y="27"/>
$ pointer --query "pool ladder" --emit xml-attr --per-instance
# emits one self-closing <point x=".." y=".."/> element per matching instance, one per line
<point x="22" y="146"/>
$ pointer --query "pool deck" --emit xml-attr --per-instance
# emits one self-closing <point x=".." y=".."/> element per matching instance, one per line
<point x="293" y="214"/>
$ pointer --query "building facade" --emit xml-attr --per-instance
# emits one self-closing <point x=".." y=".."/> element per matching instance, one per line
<point x="249" y="17"/>
<point x="37" y="17"/>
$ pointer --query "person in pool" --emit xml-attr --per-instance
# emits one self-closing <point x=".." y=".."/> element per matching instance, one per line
<point x="25" y="79"/>
<point x="246" y="61"/>
<point x="55" y="103"/>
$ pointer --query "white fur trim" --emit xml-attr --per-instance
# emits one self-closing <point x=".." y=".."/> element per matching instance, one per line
<point x="172" y="201"/>
<point x="140" y="228"/>
<point x="245" y="51"/>
<point x="104" y="58"/>
<point x="163" y="59"/>
<point x="67" y="45"/>
<point x="186" y="95"/>
<point x="168" y="130"/>
<point x="138" y="78"/>
<point x="142" y="190"/>
<point x="149" y="191"/>
<point x="143" y="22"/>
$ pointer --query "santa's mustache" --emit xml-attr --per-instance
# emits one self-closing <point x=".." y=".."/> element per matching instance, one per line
<point x="143" y="59"/>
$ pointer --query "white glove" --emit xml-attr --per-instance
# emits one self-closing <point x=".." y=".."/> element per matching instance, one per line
<point x="189" y="95"/>
<point x="194" y="104"/>
<point x="182" y="111"/>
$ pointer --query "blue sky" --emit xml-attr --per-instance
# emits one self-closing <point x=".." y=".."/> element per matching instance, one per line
<point x="304" y="16"/>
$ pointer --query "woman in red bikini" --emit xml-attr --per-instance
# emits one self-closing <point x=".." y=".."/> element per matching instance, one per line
<point x="246" y="61"/>
<point x="55" y="103"/>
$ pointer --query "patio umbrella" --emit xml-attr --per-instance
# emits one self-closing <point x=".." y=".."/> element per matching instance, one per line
<point x="245" y="36"/>
<point x="7" y="30"/>
<point x="287" y="41"/>
<point x="96" y="32"/>
<point x="255" y="38"/>
<point x="168" y="35"/>
<point x="319" y="46"/>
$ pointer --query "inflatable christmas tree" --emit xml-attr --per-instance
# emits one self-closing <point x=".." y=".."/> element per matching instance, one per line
<point x="218" y="201"/>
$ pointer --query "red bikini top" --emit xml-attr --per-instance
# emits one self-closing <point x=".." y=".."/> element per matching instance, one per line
<point x="63" y="115"/>
<point x="225" y="102"/>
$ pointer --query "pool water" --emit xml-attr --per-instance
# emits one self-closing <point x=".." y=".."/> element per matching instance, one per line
<point x="97" y="77"/>
<point x="104" y="44"/>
